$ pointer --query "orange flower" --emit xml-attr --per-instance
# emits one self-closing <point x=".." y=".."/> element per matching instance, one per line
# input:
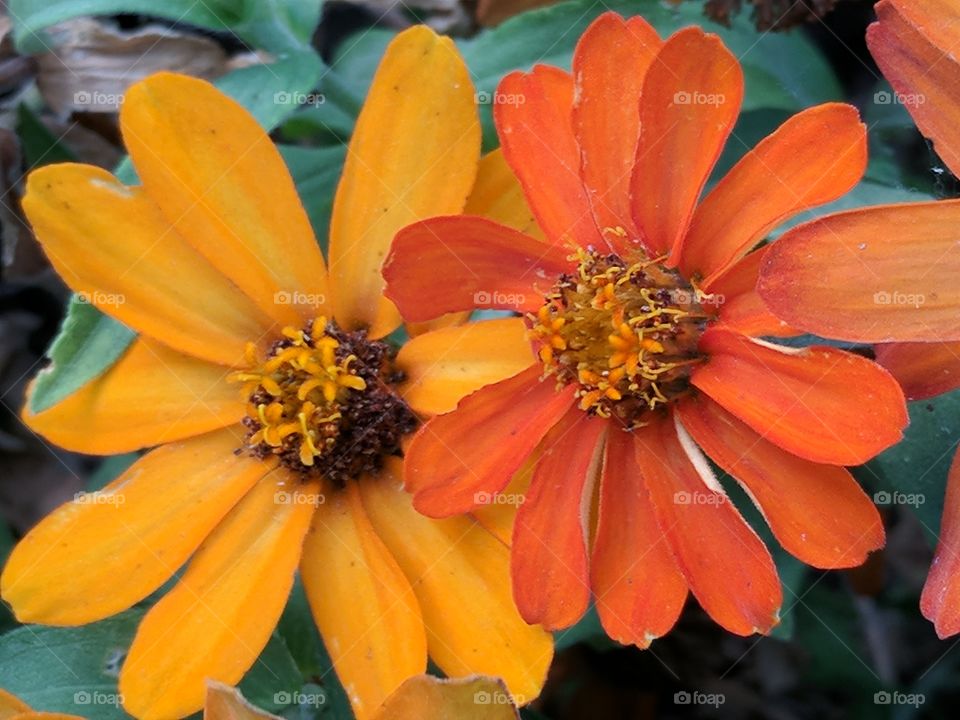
<point x="642" y="313"/>
<point x="277" y="406"/>
<point x="13" y="708"/>
<point x="888" y="274"/>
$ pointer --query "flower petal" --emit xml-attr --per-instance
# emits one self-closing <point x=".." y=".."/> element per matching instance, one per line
<point x="940" y="601"/>
<point x="728" y="568"/>
<point x="818" y="512"/>
<point x="224" y="702"/>
<point x="469" y="698"/>
<point x="219" y="616"/>
<point x="460" y="574"/>
<point x="497" y="195"/>
<point x="11" y="705"/>
<point x="221" y="183"/>
<point x="444" y="366"/>
<point x="551" y="580"/>
<point x="111" y="244"/>
<point x="814" y="157"/>
<point x="820" y="403"/>
<point x="922" y="369"/>
<point x="142" y="528"/>
<point x="639" y="589"/>
<point x="413" y="154"/>
<point x="478" y="447"/>
<point x="362" y="602"/>
<point x="882" y="274"/>
<point x="186" y="397"/>
<point x="914" y="45"/>
<point x="462" y="262"/>
<point x="533" y="115"/>
<point x="741" y="309"/>
<point x="690" y="101"/>
<point x="609" y="64"/>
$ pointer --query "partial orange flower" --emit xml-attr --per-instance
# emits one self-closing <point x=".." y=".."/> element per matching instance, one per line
<point x="278" y="408"/>
<point x="888" y="274"/>
<point x="13" y="708"/>
<point x="644" y="324"/>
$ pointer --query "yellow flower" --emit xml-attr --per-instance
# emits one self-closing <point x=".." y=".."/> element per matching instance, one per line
<point x="278" y="411"/>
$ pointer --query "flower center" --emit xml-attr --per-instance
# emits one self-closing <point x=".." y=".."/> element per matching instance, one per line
<point x="624" y="331"/>
<point x="323" y="401"/>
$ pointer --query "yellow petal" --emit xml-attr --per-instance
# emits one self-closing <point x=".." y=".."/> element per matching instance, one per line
<point x="224" y="702"/>
<point x="444" y="366"/>
<point x="413" y="154"/>
<point x="362" y="603"/>
<point x="461" y="576"/>
<point x="185" y="397"/>
<point x="11" y="705"/>
<point x="219" y="179"/>
<point x="499" y="511"/>
<point x="113" y="246"/>
<point x="107" y="550"/>
<point x="497" y="195"/>
<point x="218" y="618"/>
<point x="429" y="698"/>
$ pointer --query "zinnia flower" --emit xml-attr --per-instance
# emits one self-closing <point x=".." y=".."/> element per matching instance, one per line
<point x="278" y="408"/>
<point x="645" y="326"/>
<point x="888" y="274"/>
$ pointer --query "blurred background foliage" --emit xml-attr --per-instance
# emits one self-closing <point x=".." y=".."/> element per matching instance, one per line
<point x="303" y="69"/>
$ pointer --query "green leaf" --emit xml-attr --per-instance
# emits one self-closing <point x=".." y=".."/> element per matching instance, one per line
<point x="316" y="172"/>
<point x="88" y="343"/>
<point x="273" y="677"/>
<point x="39" y="145"/>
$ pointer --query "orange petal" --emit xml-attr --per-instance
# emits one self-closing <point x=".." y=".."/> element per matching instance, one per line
<point x="221" y="183"/>
<point x="219" y="616"/>
<point x="639" y="589"/>
<point x="463" y="262"/>
<point x="499" y="511"/>
<point x="113" y="246"/>
<point x="551" y="582"/>
<point x="363" y="604"/>
<point x="882" y="274"/>
<point x="469" y="698"/>
<point x="413" y="154"/>
<point x="444" y="366"/>
<point x="940" y="601"/>
<point x="474" y="451"/>
<point x="922" y="369"/>
<point x="142" y="528"/>
<point x="227" y="703"/>
<point x="609" y="64"/>
<point x="820" y="403"/>
<point x="11" y="705"/>
<point x="818" y="512"/>
<point x="186" y="397"/>
<point x="727" y="567"/>
<point x="914" y="44"/>
<point x="498" y="196"/>
<point x="734" y="294"/>
<point x="533" y="115"/>
<point x="814" y="157"/>
<point x="461" y="576"/>
<point x="691" y="97"/>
